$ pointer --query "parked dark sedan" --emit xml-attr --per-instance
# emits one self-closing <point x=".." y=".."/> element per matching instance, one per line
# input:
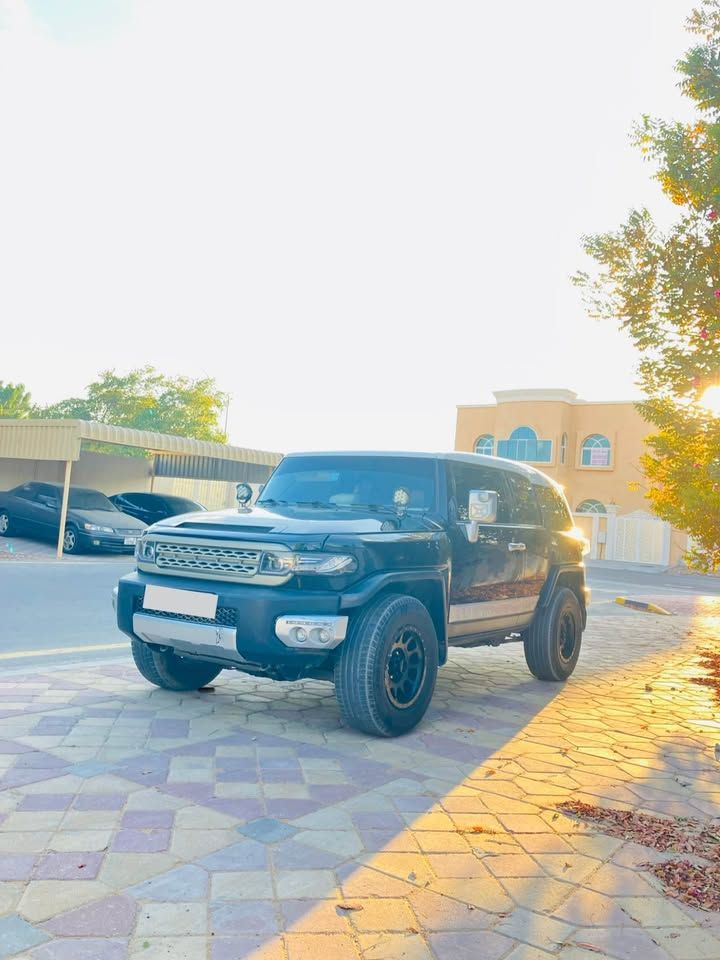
<point x="151" y="507"/>
<point x="93" y="521"/>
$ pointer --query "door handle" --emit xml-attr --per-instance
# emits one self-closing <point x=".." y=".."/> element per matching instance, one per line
<point x="516" y="546"/>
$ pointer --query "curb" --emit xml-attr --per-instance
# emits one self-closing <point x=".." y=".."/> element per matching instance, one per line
<point x="641" y="605"/>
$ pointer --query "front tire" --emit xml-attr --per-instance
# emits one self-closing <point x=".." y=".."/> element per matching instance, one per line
<point x="171" y="672"/>
<point x="552" y="643"/>
<point x="6" y="524"/>
<point x="385" y="675"/>
<point x="71" y="541"/>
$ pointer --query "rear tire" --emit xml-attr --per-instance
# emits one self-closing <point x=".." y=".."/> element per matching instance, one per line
<point x="171" y="672"/>
<point x="552" y="643"/>
<point x="385" y="676"/>
<point x="6" y="525"/>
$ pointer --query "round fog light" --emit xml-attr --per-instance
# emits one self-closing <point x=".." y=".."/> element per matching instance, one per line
<point x="300" y="634"/>
<point x="324" y="636"/>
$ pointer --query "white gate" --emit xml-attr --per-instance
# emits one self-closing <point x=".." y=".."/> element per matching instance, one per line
<point x="632" y="538"/>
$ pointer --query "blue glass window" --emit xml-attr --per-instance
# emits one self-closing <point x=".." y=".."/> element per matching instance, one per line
<point x="523" y="444"/>
<point x="485" y="444"/>
<point x="596" y="451"/>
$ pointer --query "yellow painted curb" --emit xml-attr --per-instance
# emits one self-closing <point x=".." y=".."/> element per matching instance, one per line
<point x="641" y="605"/>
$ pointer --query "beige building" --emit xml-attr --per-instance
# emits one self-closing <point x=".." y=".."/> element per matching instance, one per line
<point x="593" y="450"/>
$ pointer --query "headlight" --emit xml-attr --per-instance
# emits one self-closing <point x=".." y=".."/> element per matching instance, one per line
<point x="145" y="550"/>
<point x="325" y="564"/>
<point x="95" y="528"/>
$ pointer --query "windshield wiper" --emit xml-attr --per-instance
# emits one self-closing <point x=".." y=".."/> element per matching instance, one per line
<point x="284" y="503"/>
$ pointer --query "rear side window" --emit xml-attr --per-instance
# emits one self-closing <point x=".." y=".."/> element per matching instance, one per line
<point x="555" y="511"/>
<point x="466" y="477"/>
<point x="524" y="507"/>
<point x="25" y="492"/>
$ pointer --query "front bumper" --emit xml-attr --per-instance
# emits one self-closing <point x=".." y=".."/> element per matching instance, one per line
<point x="106" y="542"/>
<point x="252" y="624"/>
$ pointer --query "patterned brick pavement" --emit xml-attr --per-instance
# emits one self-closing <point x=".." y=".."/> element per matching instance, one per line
<point x="243" y="822"/>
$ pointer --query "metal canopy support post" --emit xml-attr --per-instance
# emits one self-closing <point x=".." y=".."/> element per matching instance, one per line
<point x="63" y="508"/>
<point x="152" y="473"/>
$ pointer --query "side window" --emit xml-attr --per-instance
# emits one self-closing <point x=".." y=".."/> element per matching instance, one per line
<point x="524" y="508"/>
<point x="47" y="495"/>
<point x="26" y="492"/>
<point x="466" y="477"/>
<point x="140" y="501"/>
<point x="556" y="514"/>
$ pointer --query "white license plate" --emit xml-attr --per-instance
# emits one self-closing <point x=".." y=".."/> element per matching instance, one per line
<point x="192" y="603"/>
<point x="130" y="541"/>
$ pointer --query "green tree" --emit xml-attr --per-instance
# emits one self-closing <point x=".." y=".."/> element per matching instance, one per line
<point x="148" y="400"/>
<point x="15" y="401"/>
<point x="663" y="288"/>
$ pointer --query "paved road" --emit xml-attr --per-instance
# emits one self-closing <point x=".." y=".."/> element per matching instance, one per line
<point x="58" y="607"/>
<point x="52" y="613"/>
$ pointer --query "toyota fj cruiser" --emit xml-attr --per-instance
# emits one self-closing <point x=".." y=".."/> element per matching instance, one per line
<point x="362" y="568"/>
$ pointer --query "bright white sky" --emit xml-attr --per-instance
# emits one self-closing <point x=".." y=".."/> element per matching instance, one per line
<point x="353" y="215"/>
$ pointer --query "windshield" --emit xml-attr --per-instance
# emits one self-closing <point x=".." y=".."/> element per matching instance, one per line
<point x="90" y="500"/>
<point x="348" y="481"/>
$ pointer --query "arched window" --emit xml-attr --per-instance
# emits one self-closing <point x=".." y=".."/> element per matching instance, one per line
<point x="523" y="444"/>
<point x="590" y="506"/>
<point x="485" y="444"/>
<point x="595" y="451"/>
<point x="563" y="448"/>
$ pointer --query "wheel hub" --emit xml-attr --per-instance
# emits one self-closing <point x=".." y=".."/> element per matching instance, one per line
<point x="405" y="668"/>
<point x="567" y="637"/>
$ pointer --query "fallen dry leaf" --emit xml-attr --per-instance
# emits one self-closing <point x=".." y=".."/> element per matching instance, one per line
<point x="682" y="834"/>
<point x="350" y="906"/>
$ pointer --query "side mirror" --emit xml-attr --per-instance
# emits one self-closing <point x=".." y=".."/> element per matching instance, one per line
<point x="243" y="495"/>
<point x="482" y="508"/>
<point x="48" y="501"/>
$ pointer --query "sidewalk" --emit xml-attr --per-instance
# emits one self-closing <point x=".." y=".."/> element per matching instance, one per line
<point x="245" y="822"/>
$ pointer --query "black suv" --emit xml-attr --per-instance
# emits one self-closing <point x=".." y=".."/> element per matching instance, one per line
<point x="362" y="568"/>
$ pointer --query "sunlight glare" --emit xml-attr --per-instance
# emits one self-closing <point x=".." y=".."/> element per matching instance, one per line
<point x="710" y="400"/>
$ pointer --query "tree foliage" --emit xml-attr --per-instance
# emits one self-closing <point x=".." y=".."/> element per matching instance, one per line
<point x="15" y="401"/>
<point x="148" y="400"/>
<point x="663" y="288"/>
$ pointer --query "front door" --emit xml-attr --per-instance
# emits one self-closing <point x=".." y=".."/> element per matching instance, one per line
<point x="532" y="542"/>
<point x="47" y="511"/>
<point x="486" y="577"/>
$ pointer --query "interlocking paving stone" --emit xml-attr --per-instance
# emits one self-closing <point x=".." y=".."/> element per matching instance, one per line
<point x="252" y="917"/>
<point x="246" y="855"/>
<point x="90" y="768"/>
<point x="268" y="830"/>
<point x="68" y="866"/>
<point x="183" y="883"/>
<point x="82" y="950"/>
<point x="114" y="917"/>
<point x="14" y="867"/>
<point x="17" y="934"/>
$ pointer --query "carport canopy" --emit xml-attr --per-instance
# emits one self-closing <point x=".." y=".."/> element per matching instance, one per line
<point x="173" y="456"/>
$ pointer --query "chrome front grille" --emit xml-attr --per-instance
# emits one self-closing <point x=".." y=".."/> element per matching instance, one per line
<point x="226" y="563"/>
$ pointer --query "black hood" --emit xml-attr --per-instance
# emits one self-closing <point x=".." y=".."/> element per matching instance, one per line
<point x="299" y="521"/>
